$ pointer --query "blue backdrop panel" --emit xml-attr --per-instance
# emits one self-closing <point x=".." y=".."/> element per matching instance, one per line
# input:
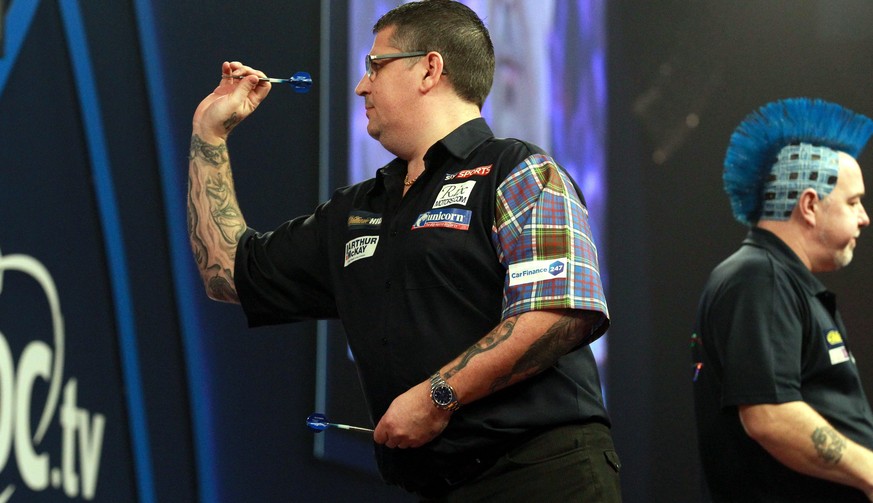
<point x="80" y="197"/>
<point x="68" y="424"/>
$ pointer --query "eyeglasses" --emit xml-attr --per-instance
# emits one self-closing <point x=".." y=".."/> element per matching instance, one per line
<point x="368" y="60"/>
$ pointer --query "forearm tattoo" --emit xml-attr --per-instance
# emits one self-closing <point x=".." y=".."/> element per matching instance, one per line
<point x="224" y="210"/>
<point x="489" y="342"/>
<point x="544" y="352"/>
<point x="829" y="444"/>
<point x="215" y="222"/>
<point x="559" y="339"/>
<point x="215" y="155"/>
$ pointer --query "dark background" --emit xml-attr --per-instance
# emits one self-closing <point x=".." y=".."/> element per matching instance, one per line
<point x="224" y="404"/>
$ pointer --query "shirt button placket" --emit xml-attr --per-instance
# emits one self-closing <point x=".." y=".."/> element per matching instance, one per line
<point x="385" y="340"/>
<point x="387" y="288"/>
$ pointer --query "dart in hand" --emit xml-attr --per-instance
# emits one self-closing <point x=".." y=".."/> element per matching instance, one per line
<point x="318" y="422"/>
<point x="301" y="82"/>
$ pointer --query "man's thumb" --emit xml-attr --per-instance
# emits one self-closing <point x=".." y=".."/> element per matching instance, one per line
<point x="245" y="86"/>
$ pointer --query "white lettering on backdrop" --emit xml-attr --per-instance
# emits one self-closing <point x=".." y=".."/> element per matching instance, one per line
<point x="77" y="470"/>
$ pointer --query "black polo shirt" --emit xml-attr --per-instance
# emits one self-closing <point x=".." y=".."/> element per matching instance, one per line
<point x="769" y="332"/>
<point x="415" y="281"/>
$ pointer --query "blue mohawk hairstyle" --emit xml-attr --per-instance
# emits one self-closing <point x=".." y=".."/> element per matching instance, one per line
<point x="757" y="141"/>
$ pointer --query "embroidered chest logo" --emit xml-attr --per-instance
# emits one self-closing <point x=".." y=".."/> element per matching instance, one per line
<point x="467" y="173"/>
<point x="522" y="273"/>
<point x="455" y="193"/>
<point x="836" y="347"/>
<point x="452" y="218"/>
<point x="364" y="220"/>
<point x="363" y="247"/>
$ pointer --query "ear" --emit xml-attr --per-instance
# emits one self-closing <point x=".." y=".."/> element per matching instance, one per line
<point x="433" y="62"/>
<point x="806" y="206"/>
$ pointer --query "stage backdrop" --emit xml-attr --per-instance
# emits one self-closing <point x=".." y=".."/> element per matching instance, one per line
<point x="119" y="380"/>
<point x="83" y="401"/>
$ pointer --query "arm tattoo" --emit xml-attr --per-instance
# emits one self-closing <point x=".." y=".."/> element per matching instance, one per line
<point x="231" y="122"/>
<point x="215" y="222"/>
<point x="559" y="339"/>
<point x="216" y="155"/>
<point x="225" y="212"/>
<point x="197" y="244"/>
<point x="829" y="444"/>
<point x="220" y="287"/>
<point x="490" y="341"/>
<point x="544" y="352"/>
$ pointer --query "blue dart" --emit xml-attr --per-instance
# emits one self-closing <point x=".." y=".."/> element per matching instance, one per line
<point x="318" y="423"/>
<point x="301" y="82"/>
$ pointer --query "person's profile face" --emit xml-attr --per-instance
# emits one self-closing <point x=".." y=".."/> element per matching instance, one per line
<point x="386" y="87"/>
<point x="842" y="216"/>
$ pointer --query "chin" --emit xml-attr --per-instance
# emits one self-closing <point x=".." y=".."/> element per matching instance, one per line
<point x="843" y="259"/>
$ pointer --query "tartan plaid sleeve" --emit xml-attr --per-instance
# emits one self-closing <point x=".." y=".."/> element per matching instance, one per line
<point x="543" y="239"/>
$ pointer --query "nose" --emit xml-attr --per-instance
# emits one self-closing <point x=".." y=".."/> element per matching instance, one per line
<point x="362" y="86"/>
<point x="863" y="218"/>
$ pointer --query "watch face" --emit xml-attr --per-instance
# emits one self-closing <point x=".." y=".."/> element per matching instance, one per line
<point x="443" y="395"/>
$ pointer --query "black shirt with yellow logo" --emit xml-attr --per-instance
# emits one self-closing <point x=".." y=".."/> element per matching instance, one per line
<point x="769" y="332"/>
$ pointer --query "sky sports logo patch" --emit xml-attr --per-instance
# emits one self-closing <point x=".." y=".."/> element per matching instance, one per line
<point x="467" y="173"/>
<point x="452" y="218"/>
<point x="523" y="273"/>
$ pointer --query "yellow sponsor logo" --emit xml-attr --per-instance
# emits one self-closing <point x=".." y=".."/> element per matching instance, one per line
<point x="359" y="220"/>
<point x="834" y="337"/>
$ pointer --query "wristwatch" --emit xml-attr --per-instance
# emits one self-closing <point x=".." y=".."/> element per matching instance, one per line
<point x="442" y="394"/>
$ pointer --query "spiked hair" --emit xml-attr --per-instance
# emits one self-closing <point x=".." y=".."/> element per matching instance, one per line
<point x="756" y="143"/>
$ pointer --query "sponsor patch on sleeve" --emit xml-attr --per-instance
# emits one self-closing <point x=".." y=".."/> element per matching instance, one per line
<point x="451" y="218"/>
<point x="454" y="193"/>
<point x="836" y="347"/>
<point x="532" y="271"/>
<point x="362" y="247"/>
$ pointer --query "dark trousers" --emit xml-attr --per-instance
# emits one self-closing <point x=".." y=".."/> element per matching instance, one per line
<point x="575" y="463"/>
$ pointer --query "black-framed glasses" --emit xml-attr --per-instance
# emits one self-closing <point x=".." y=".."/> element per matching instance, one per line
<point x="368" y="60"/>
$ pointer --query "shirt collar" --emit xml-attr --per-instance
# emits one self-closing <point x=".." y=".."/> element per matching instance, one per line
<point x="765" y="239"/>
<point x="463" y="141"/>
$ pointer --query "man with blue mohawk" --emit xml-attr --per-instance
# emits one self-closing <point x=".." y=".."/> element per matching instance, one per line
<point x="781" y="413"/>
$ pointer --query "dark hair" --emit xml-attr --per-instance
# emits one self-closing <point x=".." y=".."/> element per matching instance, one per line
<point x="453" y="30"/>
